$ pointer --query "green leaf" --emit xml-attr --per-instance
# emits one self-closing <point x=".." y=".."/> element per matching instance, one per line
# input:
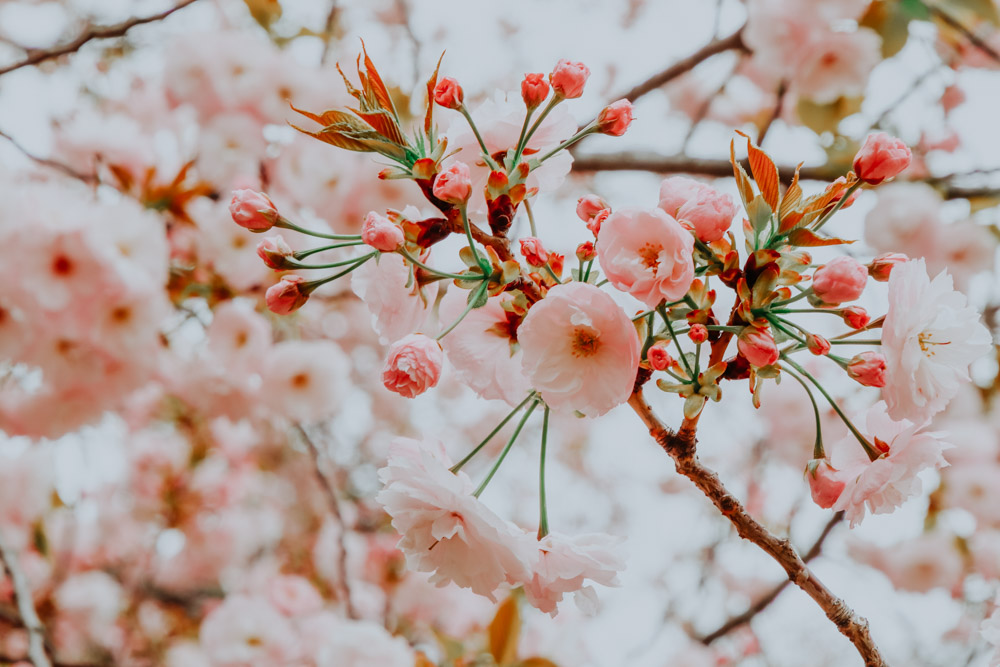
<point x="478" y="297"/>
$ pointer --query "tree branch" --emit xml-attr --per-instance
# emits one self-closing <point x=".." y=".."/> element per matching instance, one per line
<point x="681" y="448"/>
<point x="960" y="27"/>
<point x="772" y="595"/>
<point x="94" y="32"/>
<point x="734" y="41"/>
<point x="334" y="503"/>
<point x="25" y="606"/>
<point x="647" y="161"/>
<point x="89" y="179"/>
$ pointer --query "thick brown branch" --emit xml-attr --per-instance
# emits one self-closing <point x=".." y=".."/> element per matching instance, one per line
<point x="25" y="606"/>
<point x="639" y="161"/>
<point x="94" y="32"/>
<point x="734" y="41"/>
<point x="331" y="498"/>
<point x="764" y="602"/>
<point x="681" y="448"/>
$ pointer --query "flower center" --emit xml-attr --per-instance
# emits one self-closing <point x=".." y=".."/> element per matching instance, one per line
<point x="927" y="343"/>
<point x="586" y="341"/>
<point x="650" y="255"/>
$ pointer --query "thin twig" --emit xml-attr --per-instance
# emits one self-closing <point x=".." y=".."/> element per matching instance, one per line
<point x="89" y="179"/>
<point x="681" y="448"/>
<point x="775" y="113"/>
<point x="94" y="32"/>
<point x="25" y="606"/>
<point x="331" y="20"/>
<point x="976" y="41"/>
<point x="334" y="503"/>
<point x="765" y="601"/>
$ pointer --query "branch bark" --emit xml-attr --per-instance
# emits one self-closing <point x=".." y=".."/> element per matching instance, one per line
<point x="681" y="448"/>
<point x="37" y="56"/>
<point x="25" y="606"/>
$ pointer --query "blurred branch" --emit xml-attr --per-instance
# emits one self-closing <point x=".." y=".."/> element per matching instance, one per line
<point x="36" y="56"/>
<point x="734" y="41"/>
<point x="764" y="602"/>
<point x="331" y="497"/>
<point x="681" y="448"/>
<point x="25" y="606"/>
<point x="953" y="22"/>
<point x="89" y="179"/>
<point x="775" y="113"/>
<point x="331" y="21"/>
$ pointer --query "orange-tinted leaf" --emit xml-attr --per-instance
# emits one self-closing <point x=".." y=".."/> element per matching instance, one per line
<point x="807" y="237"/>
<point x="504" y="632"/>
<point x="742" y="180"/>
<point x="383" y="123"/>
<point x="338" y="140"/>
<point x="765" y="173"/>
<point x="374" y="85"/>
<point x="350" y="87"/>
<point x="537" y="662"/>
<point x="431" y="85"/>
<point x="792" y="197"/>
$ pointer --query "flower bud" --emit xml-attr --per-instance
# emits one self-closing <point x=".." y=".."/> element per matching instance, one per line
<point x="556" y="262"/>
<point x="534" y="90"/>
<point x="287" y="295"/>
<point x="842" y="279"/>
<point x="825" y="482"/>
<point x="758" y="346"/>
<point x="868" y="368"/>
<point x="454" y="184"/>
<point x="379" y="232"/>
<point x="413" y="365"/>
<point x="855" y="317"/>
<point x="586" y="252"/>
<point x="850" y="200"/>
<point x="533" y="251"/>
<point x="698" y="333"/>
<point x="658" y="357"/>
<point x="818" y="345"/>
<point x="589" y="206"/>
<point x="882" y="157"/>
<point x="448" y="93"/>
<point x="595" y="223"/>
<point x="568" y="79"/>
<point x="275" y="252"/>
<point x="615" y="118"/>
<point x="253" y="210"/>
<point x="882" y="266"/>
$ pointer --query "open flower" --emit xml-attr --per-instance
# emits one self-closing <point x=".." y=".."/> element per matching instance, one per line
<point x="580" y="349"/>
<point x="647" y="254"/>
<point x="413" y="365"/>
<point x="564" y="562"/>
<point x="707" y="211"/>
<point x="929" y="338"/>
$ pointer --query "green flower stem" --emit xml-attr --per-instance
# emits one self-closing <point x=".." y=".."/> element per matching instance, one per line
<point x="531" y="218"/>
<point x="519" y="146"/>
<point x="587" y="130"/>
<point x="872" y="453"/>
<point x="302" y="254"/>
<point x="468" y="235"/>
<point x="801" y="295"/>
<point x="808" y="311"/>
<point x="506" y="449"/>
<point x="818" y="452"/>
<point x="662" y="310"/>
<point x="543" y="510"/>
<point x="586" y="275"/>
<point x="510" y="415"/>
<point x="333" y="265"/>
<point x="865" y="341"/>
<point x="285" y="223"/>
<point x="840" y="203"/>
<point x="312" y="285"/>
<point x="436" y="272"/>
<point x="552" y="273"/>
<point x="475" y="130"/>
<point x="468" y="308"/>
<point x="524" y="142"/>
<point x="723" y="327"/>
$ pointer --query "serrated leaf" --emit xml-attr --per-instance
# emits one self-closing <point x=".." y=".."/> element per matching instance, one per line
<point x="504" y="632"/>
<point x="742" y="180"/>
<point x="792" y="197"/>
<point x="759" y="214"/>
<point x="431" y="85"/>
<point x="477" y="298"/>
<point x="808" y="238"/>
<point x="373" y="85"/>
<point x="764" y="172"/>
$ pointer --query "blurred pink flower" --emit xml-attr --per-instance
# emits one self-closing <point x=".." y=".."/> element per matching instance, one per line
<point x="562" y="564"/>
<point x="412" y="365"/>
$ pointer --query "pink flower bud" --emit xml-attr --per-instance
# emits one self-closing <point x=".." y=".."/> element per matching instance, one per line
<point x="842" y="279"/>
<point x="595" y="223"/>
<point x="533" y="251"/>
<point x="882" y="266"/>
<point x="275" y="252"/>
<point x="413" y="365"/>
<point x="586" y="252"/>
<point x="568" y="79"/>
<point x="826" y="483"/>
<point x="868" y="368"/>
<point x="658" y="356"/>
<point x="758" y="346"/>
<point x="698" y="333"/>
<point x="287" y="295"/>
<point x="818" y="345"/>
<point x="379" y="232"/>
<point x="453" y="185"/>
<point x="253" y="210"/>
<point x="534" y="90"/>
<point x="881" y="157"/>
<point x="855" y="317"/>
<point x="589" y="206"/>
<point x="615" y="118"/>
<point x="448" y="93"/>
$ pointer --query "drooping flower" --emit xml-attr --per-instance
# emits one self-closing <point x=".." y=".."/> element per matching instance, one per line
<point x="581" y="351"/>
<point x="929" y="338"/>
<point x="533" y="251"/>
<point x="564" y="562"/>
<point x="412" y="365"/>
<point x="287" y="295"/>
<point x="589" y="206"/>
<point x="615" y="118"/>
<point x="274" y="251"/>
<point x="884" y="484"/>
<point x="445" y="529"/>
<point x="647" y="254"/>
<point x="825" y="482"/>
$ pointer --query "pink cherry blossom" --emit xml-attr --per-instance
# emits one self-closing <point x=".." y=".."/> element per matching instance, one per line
<point x="448" y="93"/>
<point x="615" y="118"/>
<point x="287" y="295"/>
<point x="990" y="631"/>
<point x="445" y="529"/>
<point x="868" y="368"/>
<point x="568" y="78"/>
<point x="880" y="158"/>
<point x="380" y="233"/>
<point x="929" y="338"/>
<point x="758" y="346"/>
<point x="363" y="643"/>
<point x="705" y="210"/>
<point x="412" y="365"/>
<point x="881" y="267"/>
<point x="534" y="90"/>
<point x="839" y="280"/>
<point x="659" y="357"/>
<point x="581" y="351"/>
<point x="825" y="482"/>
<point x="253" y="210"/>
<point x="453" y="185"/>
<point x="396" y="308"/>
<point x="836" y="64"/>
<point x="589" y="206"/>
<point x="884" y="484"/>
<point x="293" y="595"/>
<point x="247" y="630"/>
<point x="275" y="252"/>
<point x="533" y="251"/>
<point x="305" y="380"/>
<point x="564" y="562"/>
<point x="647" y="254"/>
